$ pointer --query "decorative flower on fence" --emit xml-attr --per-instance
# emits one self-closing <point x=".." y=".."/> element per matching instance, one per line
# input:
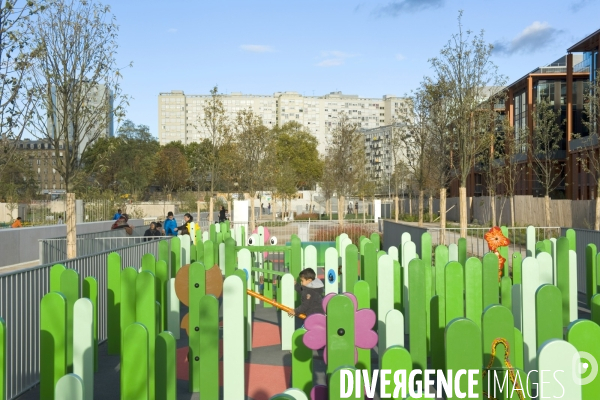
<point x="495" y="239"/>
<point x="364" y="319"/>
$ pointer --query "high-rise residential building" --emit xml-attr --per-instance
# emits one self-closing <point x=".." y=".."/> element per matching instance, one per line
<point x="180" y="115"/>
<point x="98" y="122"/>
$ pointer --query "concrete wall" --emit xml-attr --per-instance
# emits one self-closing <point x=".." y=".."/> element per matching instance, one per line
<point x="20" y="245"/>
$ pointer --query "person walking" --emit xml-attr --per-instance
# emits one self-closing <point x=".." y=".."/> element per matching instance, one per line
<point x="222" y="214"/>
<point x="269" y="208"/>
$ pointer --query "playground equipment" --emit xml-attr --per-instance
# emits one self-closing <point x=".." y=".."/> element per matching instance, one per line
<point x="455" y="312"/>
<point x="273" y="303"/>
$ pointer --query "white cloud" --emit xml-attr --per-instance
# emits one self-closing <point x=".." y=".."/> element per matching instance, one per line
<point x="533" y="38"/>
<point x="256" y="48"/>
<point x="400" y="57"/>
<point x="334" y="58"/>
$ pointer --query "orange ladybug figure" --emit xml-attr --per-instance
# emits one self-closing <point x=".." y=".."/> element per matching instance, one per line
<point x="495" y="239"/>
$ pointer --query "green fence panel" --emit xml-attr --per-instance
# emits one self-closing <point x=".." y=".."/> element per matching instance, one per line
<point x="83" y="344"/>
<point x="418" y="314"/>
<point x="572" y="236"/>
<point x="562" y="277"/>
<point x="113" y="305"/>
<point x="454" y="291"/>
<point x="504" y="252"/>
<point x="518" y="350"/>
<point x="539" y="247"/>
<point x="438" y="326"/>
<point x="591" y="283"/>
<point x="473" y="290"/>
<point x="336" y="385"/>
<point x="247" y="327"/>
<point x="149" y="263"/>
<point x="197" y="290"/>
<point x="55" y="273"/>
<point x="516" y="268"/>
<point x="351" y="267"/>
<point x="90" y="291"/>
<point x="498" y="322"/>
<point x="441" y="259"/>
<point x="135" y="363"/>
<point x="397" y="358"/>
<point x="363" y="298"/>
<point x="209" y="349"/>
<point x="398" y="286"/>
<point x="53" y="342"/>
<point x="166" y="370"/>
<point x="463" y="351"/>
<point x="234" y="382"/>
<point x="69" y="287"/>
<point x="584" y="334"/>
<point x="145" y="313"/>
<point x="385" y="297"/>
<point x="596" y="308"/>
<point x="506" y="292"/>
<point x="370" y="268"/>
<point x="163" y="251"/>
<point x="128" y="278"/>
<point x="162" y="280"/>
<point x="426" y="249"/>
<point x="230" y="257"/>
<point x="462" y="251"/>
<point x="302" y="363"/>
<point x="69" y="387"/>
<point x="490" y="280"/>
<point x="209" y="254"/>
<point x="548" y="317"/>
<point x="376" y="240"/>
<point x="558" y="355"/>
<point x="340" y="333"/>
<point x="175" y="256"/>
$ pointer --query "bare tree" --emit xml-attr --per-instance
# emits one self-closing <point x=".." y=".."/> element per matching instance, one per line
<point x="75" y="79"/>
<point x="16" y="58"/>
<point x="346" y="152"/>
<point x="417" y="142"/>
<point x="216" y="128"/>
<point x="464" y="65"/>
<point x="589" y="150"/>
<point x="255" y="151"/>
<point x="547" y="135"/>
<point x="440" y="148"/>
<point x="513" y="147"/>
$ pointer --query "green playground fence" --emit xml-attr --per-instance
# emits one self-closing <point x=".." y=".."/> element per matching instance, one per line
<point x="21" y="294"/>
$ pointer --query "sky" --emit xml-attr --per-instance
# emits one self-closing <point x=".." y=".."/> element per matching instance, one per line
<point x="367" y="48"/>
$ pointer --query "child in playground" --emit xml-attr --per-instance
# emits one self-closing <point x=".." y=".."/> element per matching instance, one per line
<point x="311" y="291"/>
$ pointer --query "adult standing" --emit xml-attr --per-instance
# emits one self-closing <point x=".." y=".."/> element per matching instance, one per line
<point x="269" y="208"/>
<point x="222" y="214"/>
<point x="183" y="229"/>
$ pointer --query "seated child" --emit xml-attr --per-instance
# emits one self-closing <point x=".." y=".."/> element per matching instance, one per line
<point x="311" y="291"/>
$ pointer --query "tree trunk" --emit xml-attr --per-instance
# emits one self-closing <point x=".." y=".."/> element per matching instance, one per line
<point x="547" y="209"/>
<point x="273" y="213"/>
<point x="493" y="207"/>
<point x="330" y="210"/>
<point x="462" y="191"/>
<point x="230" y="210"/>
<point x="396" y="208"/>
<point x="364" y="211"/>
<point x="70" y="220"/>
<point x="430" y="208"/>
<point x="252" y="218"/>
<point x="211" y="209"/>
<point x="410" y="204"/>
<point x="421" y="199"/>
<point x="341" y="210"/>
<point x="198" y="215"/>
<point x="512" y="211"/>
<point x="443" y="216"/>
<point x="597" y="219"/>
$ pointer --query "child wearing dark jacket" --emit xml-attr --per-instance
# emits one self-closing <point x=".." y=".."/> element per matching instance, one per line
<point x="311" y="291"/>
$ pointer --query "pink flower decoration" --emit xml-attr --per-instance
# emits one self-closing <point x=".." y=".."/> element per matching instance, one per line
<point x="364" y="320"/>
<point x="319" y="392"/>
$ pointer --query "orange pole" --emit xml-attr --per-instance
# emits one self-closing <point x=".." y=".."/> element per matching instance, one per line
<point x="273" y="303"/>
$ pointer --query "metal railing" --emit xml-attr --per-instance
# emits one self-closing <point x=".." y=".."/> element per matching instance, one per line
<point x="477" y="245"/>
<point x="21" y="292"/>
<point x="317" y="230"/>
